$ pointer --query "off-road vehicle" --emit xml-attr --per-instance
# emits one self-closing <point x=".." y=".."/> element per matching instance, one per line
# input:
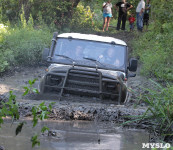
<point x="87" y="65"/>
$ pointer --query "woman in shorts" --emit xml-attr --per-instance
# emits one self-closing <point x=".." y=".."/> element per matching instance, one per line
<point x="107" y="14"/>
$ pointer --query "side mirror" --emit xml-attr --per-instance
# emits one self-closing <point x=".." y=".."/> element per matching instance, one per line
<point x="133" y="63"/>
<point x="45" y="54"/>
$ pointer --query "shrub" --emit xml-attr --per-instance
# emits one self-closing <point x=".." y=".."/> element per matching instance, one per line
<point x="155" y="51"/>
<point x="82" y="18"/>
<point x="155" y="46"/>
<point x="3" y="54"/>
<point x="22" y="46"/>
<point x="159" y="112"/>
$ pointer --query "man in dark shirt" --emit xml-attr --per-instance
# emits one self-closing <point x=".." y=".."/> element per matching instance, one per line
<point x="122" y="7"/>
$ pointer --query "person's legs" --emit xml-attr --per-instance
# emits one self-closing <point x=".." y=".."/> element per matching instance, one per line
<point x="119" y="21"/>
<point x="124" y="17"/>
<point x="137" y="20"/>
<point x="108" y="21"/>
<point x="131" y="27"/>
<point x="104" y="22"/>
<point x="147" y="21"/>
<point x="141" y="22"/>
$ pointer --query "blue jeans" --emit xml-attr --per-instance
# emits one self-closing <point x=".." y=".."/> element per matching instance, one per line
<point x="139" y="21"/>
<point x="132" y="26"/>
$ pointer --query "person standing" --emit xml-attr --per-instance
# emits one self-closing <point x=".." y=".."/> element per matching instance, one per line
<point x="139" y="15"/>
<point x="146" y="14"/>
<point x="131" y="22"/>
<point x="122" y="7"/>
<point x="107" y="14"/>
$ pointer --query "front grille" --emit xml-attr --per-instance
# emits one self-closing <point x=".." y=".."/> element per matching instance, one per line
<point x="83" y="82"/>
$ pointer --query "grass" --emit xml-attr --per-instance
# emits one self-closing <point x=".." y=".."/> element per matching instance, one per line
<point x="22" y="46"/>
<point x="159" y="110"/>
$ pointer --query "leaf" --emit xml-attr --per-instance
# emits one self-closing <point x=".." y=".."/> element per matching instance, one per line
<point x="50" y="105"/>
<point x="35" y="141"/>
<point x="26" y="90"/>
<point x="30" y="82"/>
<point x="1" y="121"/>
<point x="42" y="104"/>
<point x="19" y="127"/>
<point x="11" y="97"/>
<point x="33" y="81"/>
<point x="44" y="108"/>
<point x="35" y="90"/>
<point x="44" y="129"/>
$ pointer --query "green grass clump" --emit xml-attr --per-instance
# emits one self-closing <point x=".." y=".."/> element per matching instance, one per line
<point x="155" y="52"/>
<point x="22" y="46"/>
<point x="159" y="111"/>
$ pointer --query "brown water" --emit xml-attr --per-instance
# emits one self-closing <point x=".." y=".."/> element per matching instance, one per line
<point x="73" y="135"/>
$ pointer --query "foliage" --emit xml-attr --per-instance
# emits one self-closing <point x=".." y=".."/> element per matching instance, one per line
<point x="11" y="109"/>
<point x="51" y="11"/>
<point x="19" y="127"/>
<point x="160" y="110"/>
<point x="29" y="89"/>
<point x="35" y="141"/>
<point x="3" y="55"/>
<point x="155" y="51"/>
<point x="22" y="46"/>
<point x="82" y="18"/>
<point x="155" y="47"/>
<point x="43" y="111"/>
<point x="22" y="18"/>
<point x="30" y="22"/>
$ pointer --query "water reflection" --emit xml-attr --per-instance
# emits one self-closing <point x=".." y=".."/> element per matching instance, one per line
<point x="72" y="135"/>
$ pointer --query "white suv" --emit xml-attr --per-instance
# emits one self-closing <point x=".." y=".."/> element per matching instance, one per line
<point x="88" y="65"/>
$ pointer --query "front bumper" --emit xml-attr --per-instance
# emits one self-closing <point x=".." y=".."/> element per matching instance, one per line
<point x="83" y="82"/>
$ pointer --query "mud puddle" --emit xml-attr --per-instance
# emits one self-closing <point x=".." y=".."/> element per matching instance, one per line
<point x="72" y="135"/>
<point x="16" y="81"/>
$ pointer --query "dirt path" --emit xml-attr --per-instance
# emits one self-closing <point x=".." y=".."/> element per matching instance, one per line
<point x="77" y="108"/>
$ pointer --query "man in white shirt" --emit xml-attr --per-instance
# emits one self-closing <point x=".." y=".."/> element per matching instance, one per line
<point x="139" y="14"/>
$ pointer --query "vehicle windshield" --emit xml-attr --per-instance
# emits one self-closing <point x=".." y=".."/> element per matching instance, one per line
<point x="108" y="55"/>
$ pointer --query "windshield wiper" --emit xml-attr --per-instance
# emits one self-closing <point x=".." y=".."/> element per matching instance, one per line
<point x="64" y="56"/>
<point x="94" y="60"/>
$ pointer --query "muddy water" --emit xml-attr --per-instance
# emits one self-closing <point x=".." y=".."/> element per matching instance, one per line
<point x="19" y="79"/>
<point x="72" y="135"/>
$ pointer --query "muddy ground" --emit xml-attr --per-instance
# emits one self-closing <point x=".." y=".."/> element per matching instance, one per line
<point x="73" y="107"/>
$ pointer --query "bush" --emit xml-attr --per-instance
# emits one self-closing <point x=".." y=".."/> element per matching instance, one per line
<point x="155" y="51"/>
<point x="22" y="46"/>
<point x="3" y="54"/>
<point x="155" y="46"/>
<point x="159" y="112"/>
<point x="82" y="18"/>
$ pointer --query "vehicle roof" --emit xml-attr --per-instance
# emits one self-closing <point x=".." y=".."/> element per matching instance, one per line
<point x="92" y="37"/>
